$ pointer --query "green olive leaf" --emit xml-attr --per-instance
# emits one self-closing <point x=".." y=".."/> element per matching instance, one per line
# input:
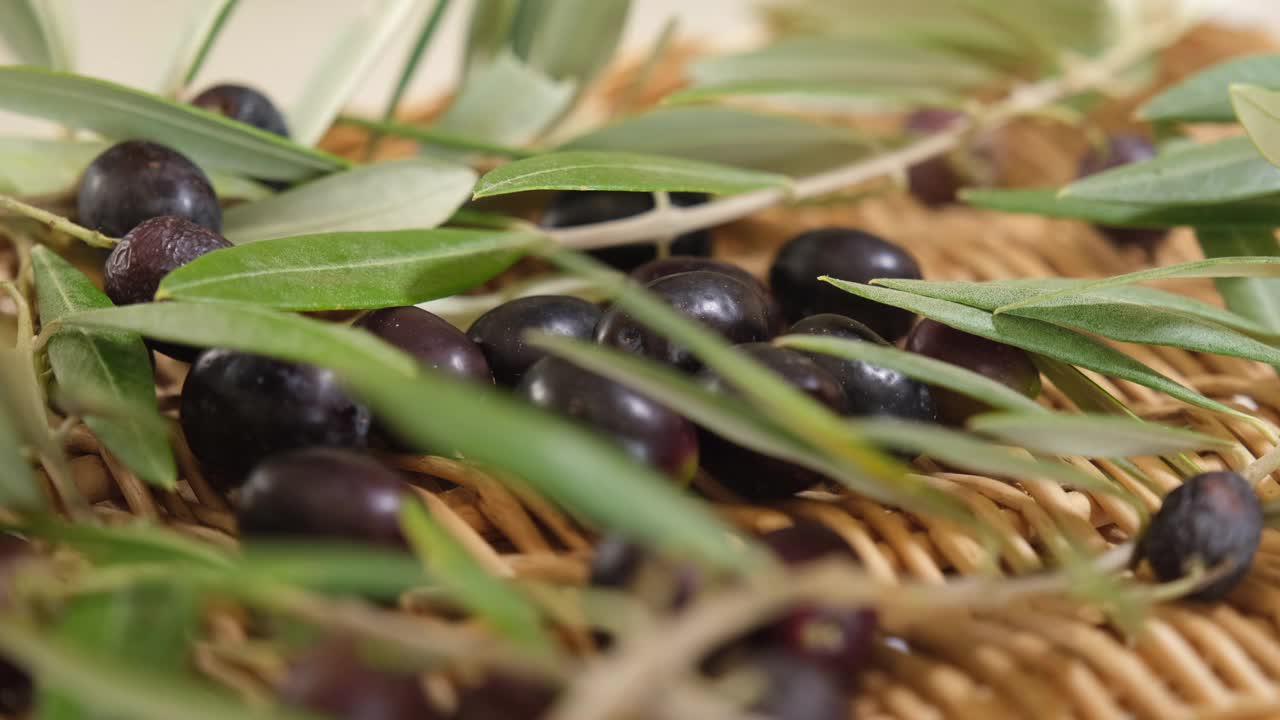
<point x="507" y="102"/>
<point x="1220" y="172"/>
<point x="1091" y="436"/>
<point x="18" y="489"/>
<point x="349" y="271"/>
<point x="1256" y="298"/>
<point x="1206" y="96"/>
<point x="1259" y="112"/>
<point x="38" y="32"/>
<point x="539" y="31"/>
<point x="204" y="24"/>
<point x="1260" y="212"/>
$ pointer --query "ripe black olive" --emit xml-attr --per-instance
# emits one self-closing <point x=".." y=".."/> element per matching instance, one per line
<point x="504" y="696"/>
<point x="648" y="431"/>
<point x="844" y="254"/>
<point x="668" y="266"/>
<point x="837" y="639"/>
<point x="500" y="332"/>
<point x="1003" y="363"/>
<point x="797" y="689"/>
<point x="244" y="104"/>
<point x="748" y="473"/>
<point x="138" y="180"/>
<point x="615" y="562"/>
<point x="1120" y="150"/>
<point x="334" y="680"/>
<point x="151" y="250"/>
<point x="724" y="304"/>
<point x="1213" y="519"/>
<point x="934" y="181"/>
<point x="431" y="339"/>
<point x="870" y="389"/>
<point x="804" y="542"/>
<point x="238" y="409"/>
<point x="570" y="209"/>
<point x="322" y="493"/>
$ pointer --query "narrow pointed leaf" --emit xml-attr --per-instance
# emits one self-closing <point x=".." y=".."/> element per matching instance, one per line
<point x="1220" y="172"/>
<point x="488" y="32"/>
<point x="344" y="65"/>
<point x="326" y="568"/>
<point x="1092" y="436"/>
<point x="399" y="195"/>
<point x="507" y="102"/>
<point x="1261" y="212"/>
<point x="435" y="137"/>
<point x="18" y="489"/>
<point x="925" y="369"/>
<point x="430" y="27"/>
<point x="1206" y="96"/>
<point x="1038" y="337"/>
<point x="540" y="28"/>
<point x="118" y="113"/>
<point x="113" y="364"/>
<point x="37" y="31"/>
<point x="1253" y="297"/>
<point x="1259" y="111"/>
<point x="349" y="271"/>
<point x="204" y="25"/>
<point x="575" y="170"/>
<point x="571" y="466"/>
<point x="130" y="544"/>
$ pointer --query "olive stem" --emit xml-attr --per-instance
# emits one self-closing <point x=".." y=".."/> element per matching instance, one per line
<point x="675" y="221"/>
<point x="89" y="237"/>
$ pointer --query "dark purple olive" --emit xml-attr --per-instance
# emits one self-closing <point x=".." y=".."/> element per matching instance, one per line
<point x="668" y="266"/>
<point x="840" y="640"/>
<point x="500" y="333"/>
<point x="871" y="390"/>
<point x="239" y="409"/>
<point x="804" y="542"/>
<point x="758" y="477"/>
<point x="334" y="680"/>
<point x="935" y="181"/>
<point x="727" y="306"/>
<point x="504" y="696"/>
<point x="322" y="493"/>
<point x="844" y="254"/>
<point x="570" y="209"/>
<point x="244" y="104"/>
<point x="1121" y="150"/>
<point x="1213" y="519"/>
<point x="615" y="562"/>
<point x="794" y="688"/>
<point x="1005" y="364"/>
<point x="151" y="250"/>
<point x="431" y="339"/>
<point x="651" y="433"/>
<point x="138" y="180"/>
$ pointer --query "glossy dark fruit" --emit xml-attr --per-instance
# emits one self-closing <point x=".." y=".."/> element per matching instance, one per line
<point x="322" y="493"/>
<point x="1005" y="364"/>
<point x="615" y="562"/>
<point x="1213" y="519"/>
<point x="15" y="689"/>
<point x="151" y="250"/>
<point x="794" y="688"/>
<point x="431" y="339"/>
<point x="570" y="209"/>
<point x="1121" y="150"/>
<point x="500" y="333"/>
<point x="935" y="181"/>
<point x="648" y="431"/>
<point x="504" y="696"/>
<point x="804" y="542"/>
<point x="674" y="265"/>
<point x="138" y="180"/>
<point x="239" y="409"/>
<point x="870" y="389"/>
<point x="731" y="308"/>
<point x="335" y="681"/>
<point x="837" y="639"/>
<point x="747" y="473"/>
<point x="244" y="104"/>
<point x="844" y="254"/>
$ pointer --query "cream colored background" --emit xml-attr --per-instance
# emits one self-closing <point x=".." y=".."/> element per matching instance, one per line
<point x="272" y="44"/>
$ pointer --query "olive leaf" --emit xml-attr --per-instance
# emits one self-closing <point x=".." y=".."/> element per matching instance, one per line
<point x="571" y="466"/>
<point x="1255" y="298"/>
<point x="1091" y="435"/>
<point x="488" y="32"/>
<point x="580" y="170"/>
<point x="539" y="33"/>
<point x="1038" y="337"/>
<point x="913" y="365"/>
<point x="429" y="28"/>
<point x="1259" y="212"/>
<point x="474" y="588"/>
<point x="118" y="112"/>
<point x="1259" y="111"/>
<point x="404" y="194"/>
<point x="347" y="271"/>
<point x="1205" y="96"/>
<point x="506" y="101"/>
<point x="18" y="489"/>
<point x="343" y="66"/>
<point x="780" y="93"/>
<point x="22" y="405"/>
<point x="1219" y="172"/>
<point x="325" y="568"/>
<point x="730" y="136"/>
<point x="136" y="543"/>
<point x="114" y="364"/>
<point x="435" y="137"/>
<point x="38" y="32"/>
<point x="204" y="25"/>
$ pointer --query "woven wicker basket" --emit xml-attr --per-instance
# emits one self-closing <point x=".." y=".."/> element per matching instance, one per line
<point x="1034" y="660"/>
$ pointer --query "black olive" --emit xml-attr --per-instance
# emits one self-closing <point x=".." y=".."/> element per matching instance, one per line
<point x="1121" y="150"/>
<point x="431" y="339"/>
<point x="668" y="266"/>
<point x="151" y="250"/>
<point x="138" y="180"/>
<point x="1005" y="364"/>
<point x="333" y="679"/>
<point x="244" y="104"/>
<point x="935" y="181"/>
<point x="500" y="333"/>
<point x="1213" y="519"/>
<point x="570" y="209"/>
<point x="504" y="696"/>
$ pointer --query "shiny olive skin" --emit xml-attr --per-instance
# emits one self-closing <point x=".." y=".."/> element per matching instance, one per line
<point x="795" y="688"/>
<point x="1122" y="149"/>
<point x="238" y="409"/>
<point x="1212" y="519"/>
<point x="871" y="390"/>
<point x="614" y="562"/>
<point x="570" y="209"/>
<point x="747" y="473"/>
<point x="500" y="333"/>
<point x="845" y="254"/>
<point x="245" y="105"/>
<point x="725" y="305"/>
<point x="504" y="696"/>
<point x="322" y="493"/>
<point x="1005" y="364"/>
<point x="137" y="180"/>
<point x="674" y="265"/>
<point x="651" y="433"/>
<point x="430" y="339"/>
<point x="335" y="681"/>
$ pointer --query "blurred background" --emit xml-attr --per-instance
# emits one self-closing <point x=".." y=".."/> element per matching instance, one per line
<point x="272" y="44"/>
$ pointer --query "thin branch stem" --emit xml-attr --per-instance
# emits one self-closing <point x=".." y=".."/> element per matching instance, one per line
<point x="89" y="237"/>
